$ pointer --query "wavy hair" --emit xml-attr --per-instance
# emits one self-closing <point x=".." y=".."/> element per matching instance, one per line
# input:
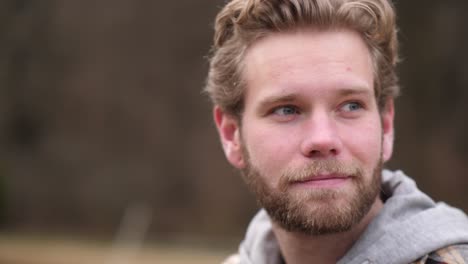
<point x="242" y="22"/>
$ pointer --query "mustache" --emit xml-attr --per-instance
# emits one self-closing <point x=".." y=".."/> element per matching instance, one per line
<point x="320" y="167"/>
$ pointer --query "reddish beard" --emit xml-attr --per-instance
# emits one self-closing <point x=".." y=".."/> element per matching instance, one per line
<point x="316" y="211"/>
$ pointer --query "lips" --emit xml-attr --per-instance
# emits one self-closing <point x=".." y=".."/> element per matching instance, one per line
<point x="324" y="177"/>
<point x="323" y="181"/>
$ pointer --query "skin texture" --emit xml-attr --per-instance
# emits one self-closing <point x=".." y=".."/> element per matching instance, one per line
<point x="311" y="139"/>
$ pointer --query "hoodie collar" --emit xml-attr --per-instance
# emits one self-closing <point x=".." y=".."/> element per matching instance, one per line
<point x="409" y="226"/>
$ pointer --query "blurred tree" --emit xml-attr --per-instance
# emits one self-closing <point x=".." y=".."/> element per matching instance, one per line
<point x="431" y="143"/>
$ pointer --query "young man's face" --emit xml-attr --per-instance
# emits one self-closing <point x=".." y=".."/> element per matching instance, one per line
<point x="311" y="140"/>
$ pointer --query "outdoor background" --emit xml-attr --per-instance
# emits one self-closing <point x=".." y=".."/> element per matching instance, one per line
<point x="106" y="139"/>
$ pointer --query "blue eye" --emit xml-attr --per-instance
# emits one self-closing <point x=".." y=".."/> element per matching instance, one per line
<point x="352" y="106"/>
<point x="286" y="110"/>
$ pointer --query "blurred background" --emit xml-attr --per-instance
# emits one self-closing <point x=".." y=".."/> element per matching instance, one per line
<point x="106" y="140"/>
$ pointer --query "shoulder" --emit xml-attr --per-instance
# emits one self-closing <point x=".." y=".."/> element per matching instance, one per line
<point x="457" y="254"/>
<point x="233" y="259"/>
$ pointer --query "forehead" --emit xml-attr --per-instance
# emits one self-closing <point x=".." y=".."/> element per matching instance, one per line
<point x="327" y="59"/>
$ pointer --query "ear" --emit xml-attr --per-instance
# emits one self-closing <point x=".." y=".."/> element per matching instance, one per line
<point x="388" y="130"/>
<point x="229" y="133"/>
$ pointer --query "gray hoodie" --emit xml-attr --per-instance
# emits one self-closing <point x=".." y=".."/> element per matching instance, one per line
<point x="409" y="226"/>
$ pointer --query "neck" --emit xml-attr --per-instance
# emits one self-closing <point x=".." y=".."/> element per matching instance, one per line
<point x="298" y="248"/>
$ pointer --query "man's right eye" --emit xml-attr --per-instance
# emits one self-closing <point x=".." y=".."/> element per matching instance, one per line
<point x="285" y="110"/>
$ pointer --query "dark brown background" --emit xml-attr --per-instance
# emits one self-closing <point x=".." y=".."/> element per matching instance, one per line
<point x="101" y="110"/>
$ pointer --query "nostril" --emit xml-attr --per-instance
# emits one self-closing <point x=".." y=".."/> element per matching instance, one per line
<point x="315" y="152"/>
<point x="319" y="153"/>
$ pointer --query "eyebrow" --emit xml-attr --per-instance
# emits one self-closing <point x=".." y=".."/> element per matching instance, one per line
<point x="355" y="91"/>
<point x="276" y="99"/>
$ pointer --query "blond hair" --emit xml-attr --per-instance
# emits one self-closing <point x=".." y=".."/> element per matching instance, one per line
<point x="242" y="22"/>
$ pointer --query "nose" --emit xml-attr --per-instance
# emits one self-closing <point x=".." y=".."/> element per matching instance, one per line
<point x="321" y="138"/>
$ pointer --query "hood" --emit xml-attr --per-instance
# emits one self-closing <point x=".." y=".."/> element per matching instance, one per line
<point x="409" y="226"/>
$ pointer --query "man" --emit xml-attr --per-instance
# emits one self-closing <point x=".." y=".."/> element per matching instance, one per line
<point x="303" y="95"/>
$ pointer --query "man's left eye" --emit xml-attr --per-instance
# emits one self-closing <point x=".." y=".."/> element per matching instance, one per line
<point x="351" y="107"/>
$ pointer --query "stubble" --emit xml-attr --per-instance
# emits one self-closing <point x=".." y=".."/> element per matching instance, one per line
<point x="316" y="211"/>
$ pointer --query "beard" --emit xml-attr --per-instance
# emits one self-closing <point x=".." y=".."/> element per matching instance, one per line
<point x="316" y="211"/>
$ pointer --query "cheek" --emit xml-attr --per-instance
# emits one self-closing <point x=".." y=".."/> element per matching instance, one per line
<point x="269" y="150"/>
<point x="366" y="144"/>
